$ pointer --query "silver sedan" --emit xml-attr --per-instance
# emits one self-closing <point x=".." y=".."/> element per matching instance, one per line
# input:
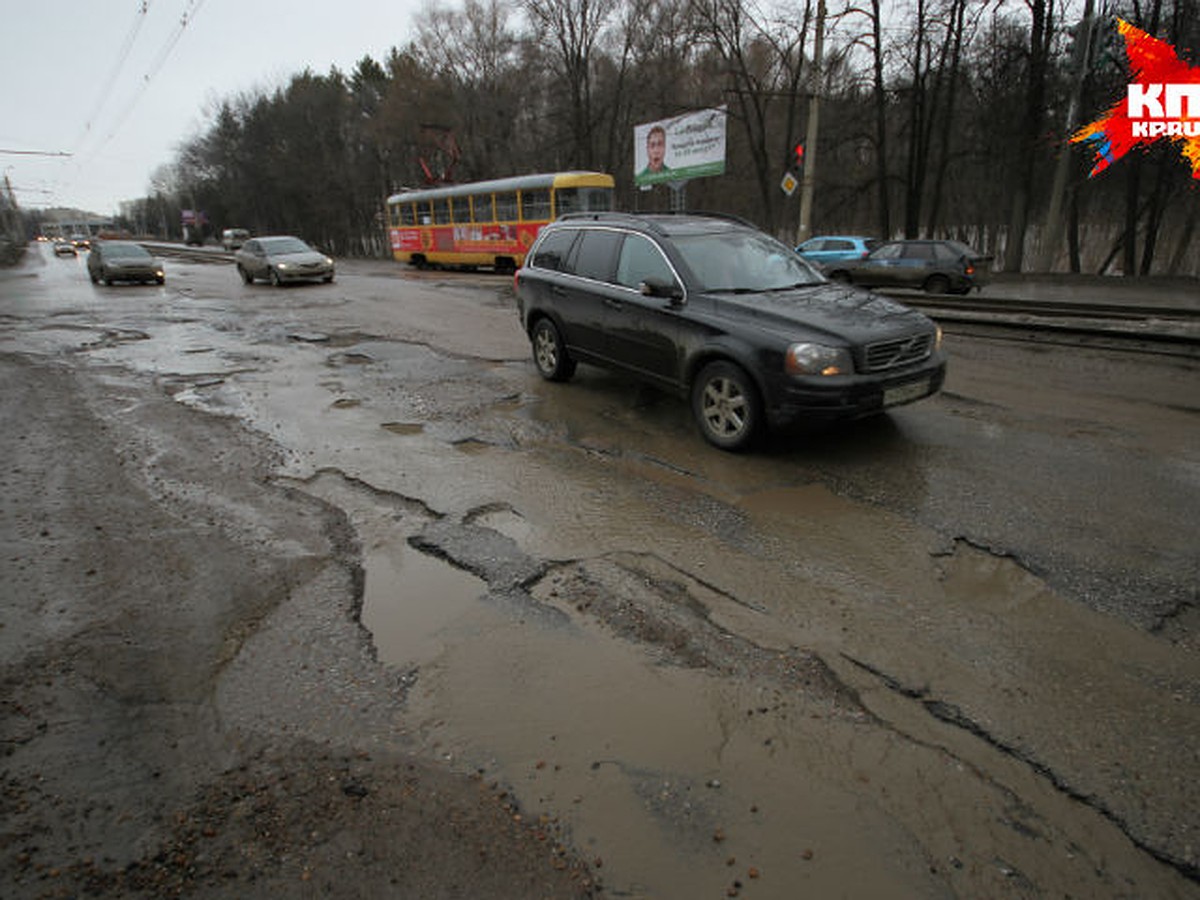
<point x="281" y="259"/>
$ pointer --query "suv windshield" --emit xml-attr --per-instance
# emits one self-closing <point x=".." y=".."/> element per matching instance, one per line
<point x="744" y="262"/>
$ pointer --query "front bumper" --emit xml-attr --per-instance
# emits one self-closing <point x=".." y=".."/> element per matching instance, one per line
<point x="132" y="273"/>
<point x="304" y="273"/>
<point x="837" y="398"/>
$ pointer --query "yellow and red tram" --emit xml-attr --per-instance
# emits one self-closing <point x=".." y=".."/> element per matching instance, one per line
<point x="488" y="223"/>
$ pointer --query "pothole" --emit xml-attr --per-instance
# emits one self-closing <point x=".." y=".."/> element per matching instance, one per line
<point x="403" y="428"/>
<point x="408" y="597"/>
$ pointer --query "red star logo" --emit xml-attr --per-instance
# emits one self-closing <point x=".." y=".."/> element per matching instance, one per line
<point x="1163" y="103"/>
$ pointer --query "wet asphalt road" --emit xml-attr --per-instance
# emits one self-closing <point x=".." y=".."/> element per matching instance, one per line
<point x="947" y="652"/>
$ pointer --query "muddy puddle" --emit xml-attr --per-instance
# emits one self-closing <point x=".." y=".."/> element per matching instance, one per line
<point x="684" y="771"/>
<point x="986" y="711"/>
<point x="607" y="696"/>
<point x="408" y="598"/>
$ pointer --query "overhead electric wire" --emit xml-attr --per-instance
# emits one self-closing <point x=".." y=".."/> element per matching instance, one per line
<point x="189" y="13"/>
<point x="106" y="87"/>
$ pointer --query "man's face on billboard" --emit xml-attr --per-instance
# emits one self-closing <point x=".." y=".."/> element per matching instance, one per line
<point x="656" y="148"/>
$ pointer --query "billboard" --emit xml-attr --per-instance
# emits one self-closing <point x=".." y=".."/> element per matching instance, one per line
<point x="688" y="146"/>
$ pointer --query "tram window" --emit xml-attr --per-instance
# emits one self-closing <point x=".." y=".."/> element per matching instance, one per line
<point x="481" y="208"/>
<point x="506" y="207"/>
<point x="441" y="212"/>
<point x="408" y="214"/>
<point x="461" y="210"/>
<point x="535" y="205"/>
<point x="568" y="200"/>
<point x="424" y="213"/>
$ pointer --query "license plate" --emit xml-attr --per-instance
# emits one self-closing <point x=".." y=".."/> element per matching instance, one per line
<point x="905" y="393"/>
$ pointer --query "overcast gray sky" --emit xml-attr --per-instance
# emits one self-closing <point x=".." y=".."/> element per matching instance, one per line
<point x="120" y="89"/>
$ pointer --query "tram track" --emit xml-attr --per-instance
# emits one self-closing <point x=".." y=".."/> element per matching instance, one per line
<point x="1051" y="308"/>
<point x="1140" y="328"/>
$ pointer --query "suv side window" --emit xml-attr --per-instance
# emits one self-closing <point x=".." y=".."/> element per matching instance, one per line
<point x="595" y="254"/>
<point x="553" y="249"/>
<point x="641" y="259"/>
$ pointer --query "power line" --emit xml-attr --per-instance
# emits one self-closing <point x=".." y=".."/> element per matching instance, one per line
<point x="122" y="56"/>
<point x="35" y="152"/>
<point x="189" y="13"/>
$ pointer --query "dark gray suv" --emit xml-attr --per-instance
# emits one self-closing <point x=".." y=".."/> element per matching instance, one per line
<point x="711" y="308"/>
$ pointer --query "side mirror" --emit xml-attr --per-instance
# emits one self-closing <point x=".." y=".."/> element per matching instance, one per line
<point x="656" y="287"/>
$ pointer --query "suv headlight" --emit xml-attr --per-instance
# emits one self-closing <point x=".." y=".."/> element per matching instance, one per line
<point x="817" y="359"/>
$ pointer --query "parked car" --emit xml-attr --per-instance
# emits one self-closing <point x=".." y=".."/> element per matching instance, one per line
<point x="280" y="259"/>
<point x="64" y="248"/>
<point x="827" y="249"/>
<point x="232" y="238"/>
<point x="113" y="261"/>
<point x="937" y="267"/>
<point x="714" y="310"/>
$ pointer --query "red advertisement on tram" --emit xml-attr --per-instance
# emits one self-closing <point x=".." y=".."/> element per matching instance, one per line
<point x="488" y="223"/>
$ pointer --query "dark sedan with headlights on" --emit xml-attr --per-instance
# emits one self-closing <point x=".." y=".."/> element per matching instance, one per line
<point x="281" y="259"/>
<point x="113" y="261"/>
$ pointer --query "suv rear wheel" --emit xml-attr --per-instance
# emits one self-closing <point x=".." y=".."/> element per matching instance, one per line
<point x="549" y="355"/>
<point x="726" y="406"/>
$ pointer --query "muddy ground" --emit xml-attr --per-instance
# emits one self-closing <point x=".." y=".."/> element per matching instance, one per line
<point x="321" y="591"/>
<point x="125" y="616"/>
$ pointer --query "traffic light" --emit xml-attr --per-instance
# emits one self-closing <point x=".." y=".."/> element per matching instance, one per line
<point x="798" y="155"/>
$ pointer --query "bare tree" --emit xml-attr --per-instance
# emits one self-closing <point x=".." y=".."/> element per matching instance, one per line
<point x="763" y="67"/>
<point x="573" y="30"/>
<point x="1030" y="127"/>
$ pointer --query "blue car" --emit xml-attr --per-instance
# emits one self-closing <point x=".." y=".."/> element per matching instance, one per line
<point x="826" y="249"/>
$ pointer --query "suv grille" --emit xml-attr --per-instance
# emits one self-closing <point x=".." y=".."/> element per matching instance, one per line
<point x="892" y="354"/>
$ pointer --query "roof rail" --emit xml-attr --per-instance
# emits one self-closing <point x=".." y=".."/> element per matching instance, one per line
<point x="730" y="217"/>
<point x="647" y="218"/>
<point x="611" y="216"/>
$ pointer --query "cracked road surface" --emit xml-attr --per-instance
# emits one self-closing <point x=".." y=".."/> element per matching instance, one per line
<point x="321" y="590"/>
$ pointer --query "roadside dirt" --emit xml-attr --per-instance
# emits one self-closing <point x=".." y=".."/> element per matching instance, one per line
<point x="138" y="559"/>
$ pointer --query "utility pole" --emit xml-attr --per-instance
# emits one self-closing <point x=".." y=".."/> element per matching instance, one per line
<point x="809" y="176"/>
<point x="1052" y="232"/>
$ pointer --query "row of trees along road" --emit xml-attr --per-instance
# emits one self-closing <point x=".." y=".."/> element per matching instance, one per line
<point x="938" y="118"/>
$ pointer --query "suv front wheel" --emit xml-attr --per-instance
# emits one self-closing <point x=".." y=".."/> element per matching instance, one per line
<point x="549" y="355"/>
<point x="726" y="406"/>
